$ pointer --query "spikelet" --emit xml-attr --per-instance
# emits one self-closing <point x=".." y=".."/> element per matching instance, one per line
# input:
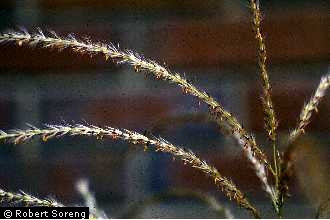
<point x="26" y="199"/>
<point x="160" y="145"/>
<point x="109" y="51"/>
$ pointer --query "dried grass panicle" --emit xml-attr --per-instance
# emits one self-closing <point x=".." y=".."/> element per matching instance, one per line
<point x="109" y="51"/>
<point x="26" y="199"/>
<point x="188" y="157"/>
<point x="304" y="119"/>
<point x="310" y="107"/>
<point x="270" y="117"/>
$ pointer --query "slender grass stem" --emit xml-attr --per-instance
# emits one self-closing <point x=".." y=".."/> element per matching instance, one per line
<point x="270" y="117"/>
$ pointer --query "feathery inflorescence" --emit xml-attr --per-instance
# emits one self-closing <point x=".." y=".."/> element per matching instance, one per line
<point x="26" y="199"/>
<point x="304" y="119"/>
<point x="109" y="51"/>
<point x="270" y="118"/>
<point x="188" y="157"/>
<point x="310" y="107"/>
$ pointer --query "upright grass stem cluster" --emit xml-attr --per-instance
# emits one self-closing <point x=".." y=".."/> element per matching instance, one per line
<point x="273" y="176"/>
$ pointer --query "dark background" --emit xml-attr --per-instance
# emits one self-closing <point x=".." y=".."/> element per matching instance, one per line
<point x="209" y="41"/>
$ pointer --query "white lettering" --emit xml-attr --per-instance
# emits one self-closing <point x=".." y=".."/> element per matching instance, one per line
<point x="68" y="214"/>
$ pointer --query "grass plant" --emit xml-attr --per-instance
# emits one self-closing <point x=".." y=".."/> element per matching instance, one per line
<point x="273" y="175"/>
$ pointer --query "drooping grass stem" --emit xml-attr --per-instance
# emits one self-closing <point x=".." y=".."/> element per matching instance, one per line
<point x="159" y="144"/>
